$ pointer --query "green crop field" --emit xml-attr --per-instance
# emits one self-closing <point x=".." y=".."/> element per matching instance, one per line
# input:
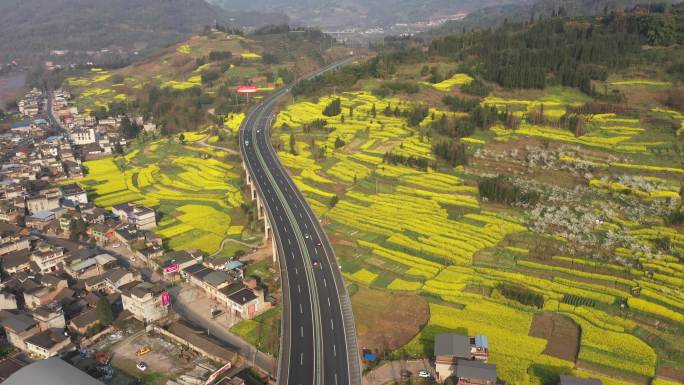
<point x="194" y="189"/>
<point x="428" y="232"/>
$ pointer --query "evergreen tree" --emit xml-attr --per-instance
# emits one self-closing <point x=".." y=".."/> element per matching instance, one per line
<point x="104" y="312"/>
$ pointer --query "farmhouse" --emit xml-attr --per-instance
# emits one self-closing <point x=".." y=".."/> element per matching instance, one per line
<point x="470" y="372"/>
<point x="449" y="348"/>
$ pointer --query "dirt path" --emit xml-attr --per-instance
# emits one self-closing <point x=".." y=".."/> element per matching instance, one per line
<point x="228" y="239"/>
<point x="204" y="143"/>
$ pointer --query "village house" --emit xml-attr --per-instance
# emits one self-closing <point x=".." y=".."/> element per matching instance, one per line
<point x="11" y="241"/>
<point x="243" y="301"/>
<point x="44" y="293"/>
<point x="90" y="267"/>
<point x="8" y="301"/>
<point x="102" y="232"/>
<point x="111" y="281"/>
<point x="16" y="261"/>
<point x="229" y="289"/>
<point x="146" y="301"/>
<point x="83" y="136"/>
<point x="475" y="372"/>
<point x="43" y="201"/>
<point x="40" y="220"/>
<point x="449" y="348"/>
<point x="19" y="326"/>
<point x="128" y="235"/>
<point x="75" y="193"/>
<point x="50" y="316"/>
<point x="174" y="262"/>
<point x="88" y="319"/>
<point x="9" y="213"/>
<point x="48" y="258"/>
<point x="48" y="343"/>
<point x="143" y="218"/>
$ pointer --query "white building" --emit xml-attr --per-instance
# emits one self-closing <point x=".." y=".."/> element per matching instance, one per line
<point x="83" y="136"/>
<point x="143" y="218"/>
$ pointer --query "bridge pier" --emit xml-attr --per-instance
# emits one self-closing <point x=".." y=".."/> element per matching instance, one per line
<point x="261" y="212"/>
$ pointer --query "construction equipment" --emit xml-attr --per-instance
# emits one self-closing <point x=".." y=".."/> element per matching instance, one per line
<point x="143" y="350"/>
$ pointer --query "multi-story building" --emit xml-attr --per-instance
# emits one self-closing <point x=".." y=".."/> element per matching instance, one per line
<point x="74" y="193"/>
<point x="47" y="257"/>
<point x="143" y="218"/>
<point x="50" y="316"/>
<point x="146" y="301"/>
<point x="11" y="241"/>
<point x="83" y="136"/>
<point x="43" y="201"/>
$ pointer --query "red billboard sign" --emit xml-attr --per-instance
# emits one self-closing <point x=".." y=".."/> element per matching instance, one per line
<point x="165" y="298"/>
<point x="247" y="89"/>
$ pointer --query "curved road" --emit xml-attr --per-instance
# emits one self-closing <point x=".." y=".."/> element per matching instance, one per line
<point x="318" y="339"/>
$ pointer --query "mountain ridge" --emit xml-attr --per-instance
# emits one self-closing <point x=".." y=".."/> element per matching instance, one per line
<point x="31" y="29"/>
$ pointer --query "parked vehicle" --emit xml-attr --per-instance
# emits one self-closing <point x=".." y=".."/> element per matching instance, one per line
<point x="141" y="366"/>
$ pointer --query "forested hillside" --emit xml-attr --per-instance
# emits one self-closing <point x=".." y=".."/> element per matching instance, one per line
<point x="570" y="53"/>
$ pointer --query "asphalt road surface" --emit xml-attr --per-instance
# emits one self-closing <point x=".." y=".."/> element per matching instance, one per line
<point x="318" y="339"/>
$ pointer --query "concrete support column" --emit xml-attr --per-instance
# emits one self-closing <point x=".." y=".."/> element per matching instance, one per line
<point x="260" y="208"/>
<point x="275" y="249"/>
<point x="267" y="228"/>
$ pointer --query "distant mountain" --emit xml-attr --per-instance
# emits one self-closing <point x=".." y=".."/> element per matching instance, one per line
<point x="30" y="29"/>
<point x="342" y="14"/>
<point x="530" y="9"/>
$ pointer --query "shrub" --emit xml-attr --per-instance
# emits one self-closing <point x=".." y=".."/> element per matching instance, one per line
<point x="576" y="300"/>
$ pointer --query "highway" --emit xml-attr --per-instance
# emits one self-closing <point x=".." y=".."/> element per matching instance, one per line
<point x="318" y="339"/>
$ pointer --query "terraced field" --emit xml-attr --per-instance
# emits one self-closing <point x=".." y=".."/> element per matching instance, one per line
<point x="428" y="233"/>
<point x="196" y="191"/>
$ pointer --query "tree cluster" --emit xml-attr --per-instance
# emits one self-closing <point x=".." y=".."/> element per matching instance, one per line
<point x="333" y="108"/>
<point x="409" y="161"/>
<point x="521" y="294"/>
<point x="501" y="190"/>
<point x="452" y="151"/>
